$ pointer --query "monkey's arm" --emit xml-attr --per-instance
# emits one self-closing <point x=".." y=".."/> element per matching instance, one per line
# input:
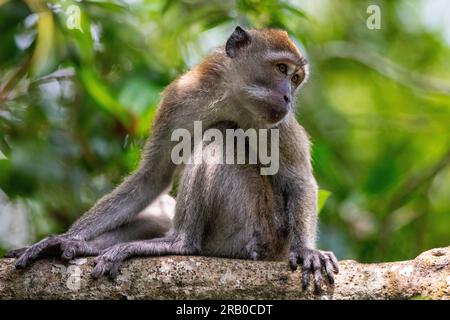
<point x="131" y="196"/>
<point x="153" y="222"/>
<point x="152" y="177"/>
<point x="301" y="195"/>
<point x="115" y="209"/>
<point x="156" y="169"/>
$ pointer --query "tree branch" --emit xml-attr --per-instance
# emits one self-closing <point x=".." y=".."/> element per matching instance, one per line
<point x="179" y="277"/>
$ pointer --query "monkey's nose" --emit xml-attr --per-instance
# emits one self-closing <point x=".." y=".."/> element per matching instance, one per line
<point x="286" y="99"/>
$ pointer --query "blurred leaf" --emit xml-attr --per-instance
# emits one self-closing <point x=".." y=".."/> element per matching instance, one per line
<point x="139" y="95"/>
<point x="294" y="10"/>
<point x="112" y="5"/>
<point x="323" y="197"/>
<point x="102" y="94"/>
<point x="167" y="5"/>
<point x="41" y="60"/>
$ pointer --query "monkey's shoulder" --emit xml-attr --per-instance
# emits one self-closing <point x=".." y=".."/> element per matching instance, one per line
<point x="293" y="134"/>
<point x="200" y="80"/>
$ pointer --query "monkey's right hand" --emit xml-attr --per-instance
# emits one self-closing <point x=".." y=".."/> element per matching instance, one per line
<point x="52" y="246"/>
<point x="314" y="262"/>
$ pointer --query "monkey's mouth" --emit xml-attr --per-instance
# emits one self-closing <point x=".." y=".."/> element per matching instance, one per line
<point x="276" y="115"/>
<point x="271" y="111"/>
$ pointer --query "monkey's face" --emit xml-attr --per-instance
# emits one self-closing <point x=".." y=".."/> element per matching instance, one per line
<point x="269" y="69"/>
<point x="270" y="90"/>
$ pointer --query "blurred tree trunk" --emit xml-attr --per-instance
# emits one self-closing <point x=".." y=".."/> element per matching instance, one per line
<point x="178" y="277"/>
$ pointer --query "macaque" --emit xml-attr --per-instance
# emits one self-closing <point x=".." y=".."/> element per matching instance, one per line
<point x="223" y="210"/>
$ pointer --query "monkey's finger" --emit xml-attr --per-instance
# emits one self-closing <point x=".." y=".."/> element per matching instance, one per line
<point x="114" y="270"/>
<point x="15" y="253"/>
<point x="72" y="249"/>
<point x="97" y="259"/>
<point x="98" y="270"/>
<point x="305" y="278"/>
<point x="317" y="269"/>
<point x="35" y="251"/>
<point x="68" y="253"/>
<point x="25" y="259"/>
<point x="293" y="261"/>
<point x="306" y="272"/>
<point x="329" y="268"/>
<point x="334" y="261"/>
<point x="29" y="255"/>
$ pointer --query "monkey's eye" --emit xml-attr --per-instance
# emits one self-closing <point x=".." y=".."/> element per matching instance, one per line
<point x="295" y="79"/>
<point x="282" y="67"/>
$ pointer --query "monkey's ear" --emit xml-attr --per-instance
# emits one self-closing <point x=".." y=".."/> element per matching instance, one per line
<point x="238" y="39"/>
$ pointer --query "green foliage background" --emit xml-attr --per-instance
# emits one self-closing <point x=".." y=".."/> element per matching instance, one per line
<point x="77" y="105"/>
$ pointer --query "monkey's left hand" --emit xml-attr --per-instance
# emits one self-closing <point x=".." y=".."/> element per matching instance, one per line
<point x="108" y="263"/>
<point x="314" y="261"/>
